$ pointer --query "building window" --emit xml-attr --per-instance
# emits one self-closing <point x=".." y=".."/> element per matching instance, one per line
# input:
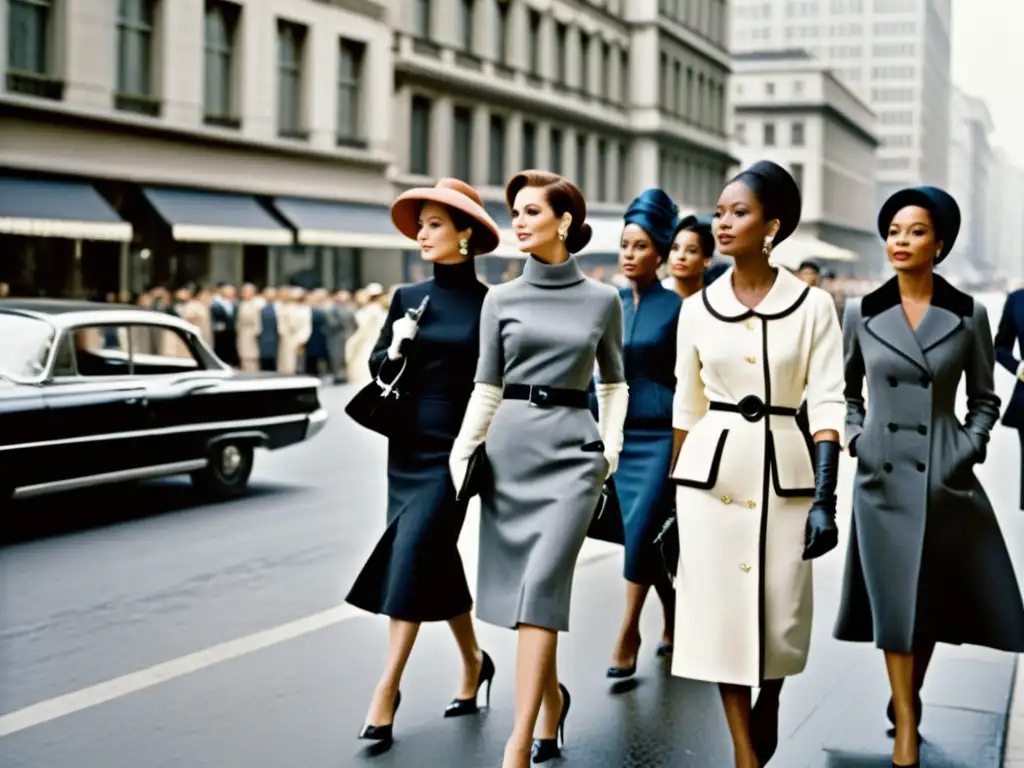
<point x="741" y="133"/>
<point x="28" y="39"/>
<point x="419" y="136"/>
<point x="602" y="170"/>
<point x="462" y="144"/>
<point x="561" y="53"/>
<point x="219" y="62"/>
<point x="606" y="70"/>
<point x="496" y="157"/>
<point x="769" y="135"/>
<point x="797" y="134"/>
<point x="623" y="175"/>
<point x="797" y="171"/>
<point x="350" y="77"/>
<point x="421" y="19"/>
<point x="533" y="43"/>
<point x="677" y="88"/>
<point x="291" y="39"/>
<point x="584" y="62"/>
<point x="769" y="89"/>
<point x="529" y="145"/>
<point x="623" y="76"/>
<point x="467" y="18"/>
<point x="581" y="162"/>
<point x="501" y="31"/>
<point x="557" y="143"/>
<point x="135" y="57"/>
<point x="663" y="84"/>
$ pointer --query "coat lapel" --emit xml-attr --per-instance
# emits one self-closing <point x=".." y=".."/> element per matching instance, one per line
<point x="885" y="320"/>
<point x="937" y="325"/>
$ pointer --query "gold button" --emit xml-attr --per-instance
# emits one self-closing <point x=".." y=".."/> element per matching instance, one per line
<point x="727" y="500"/>
<point x="750" y="325"/>
<point x="751" y="360"/>
<point x="751" y="505"/>
<point x="744" y="567"/>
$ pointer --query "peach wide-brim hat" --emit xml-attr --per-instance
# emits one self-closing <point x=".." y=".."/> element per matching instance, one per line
<point x="405" y="212"/>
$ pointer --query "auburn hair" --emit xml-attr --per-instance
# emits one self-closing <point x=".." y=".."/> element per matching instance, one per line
<point x="563" y="196"/>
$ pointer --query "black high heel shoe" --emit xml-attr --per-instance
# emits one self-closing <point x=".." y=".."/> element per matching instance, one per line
<point x="549" y="749"/>
<point x="460" y="707"/>
<point x="382" y="732"/>
<point x="620" y="673"/>
<point x="664" y="649"/>
<point x="766" y="742"/>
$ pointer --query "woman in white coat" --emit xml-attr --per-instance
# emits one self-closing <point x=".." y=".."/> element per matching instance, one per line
<point x="753" y="505"/>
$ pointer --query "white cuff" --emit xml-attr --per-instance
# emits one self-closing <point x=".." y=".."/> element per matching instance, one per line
<point x="612" y="405"/>
<point x="1020" y="370"/>
<point x="482" y="404"/>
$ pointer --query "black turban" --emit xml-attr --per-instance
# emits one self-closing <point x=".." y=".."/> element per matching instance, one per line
<point x="778" y="193"/>
<point x="655" y="213"/>
<point x="939" y="203"/>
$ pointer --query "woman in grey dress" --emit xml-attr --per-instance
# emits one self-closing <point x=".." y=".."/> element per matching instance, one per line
<point x="926" y="562"/>
<point x="540" y="335"/>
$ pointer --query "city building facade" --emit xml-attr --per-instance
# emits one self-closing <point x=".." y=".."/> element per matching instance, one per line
<point x="894" y="53"/>
<point x="970" y="177"/>
<point x="792" y="110"/>
<point x="1005" y="193"/>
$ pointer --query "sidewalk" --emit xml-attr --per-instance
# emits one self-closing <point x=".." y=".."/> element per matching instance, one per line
<point x="1015" y="723"/>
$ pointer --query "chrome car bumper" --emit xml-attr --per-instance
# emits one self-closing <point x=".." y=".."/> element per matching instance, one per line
<point x="317" y="421"/>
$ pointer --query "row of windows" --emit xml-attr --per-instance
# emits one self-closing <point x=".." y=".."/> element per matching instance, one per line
<point x="692" y="96"/>
<point x="31" y="63"/>
<point x="689" y="181"/>
<point x="769" y="137"/>
<point x="754" y="11"/>
<point x="893" y="73"/>
<point x="898" y="140"/>
<point x="893" y="50"/>
<point x="707" y="17"/>
<point x="898" y="117"/>
<point x="882" y="95"/>
<point x="797" y="86"/>
<point x="497" y="172"/>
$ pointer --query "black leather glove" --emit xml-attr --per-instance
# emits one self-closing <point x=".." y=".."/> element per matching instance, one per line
<point x="822" y="535"/>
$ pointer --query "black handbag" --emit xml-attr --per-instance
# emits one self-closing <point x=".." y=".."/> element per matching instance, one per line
<point x="479" y="475"/>
<point x="381" y="406"/>
<point x="667" y="542"/>
<point x="606" y="525"/>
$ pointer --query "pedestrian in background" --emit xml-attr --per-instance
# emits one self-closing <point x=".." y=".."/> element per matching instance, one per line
<point x="224" y="323"/>
<point x="927" y="562"/>
<point x="753" y="508"/>
<point x="248" y="327"/>
<point x="540" y="336"/>
<point x="650" y="314"/>
<point x="415" y="573"/>
<point x="693" y="247"/>
<point x="1010" y="333"/>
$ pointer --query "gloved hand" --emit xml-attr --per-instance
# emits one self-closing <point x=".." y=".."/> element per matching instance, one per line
<point x="612" y="404"/>
<point x="821" y="533"/>
<point x="482" y="404"/>
<point x="402" y="330"/>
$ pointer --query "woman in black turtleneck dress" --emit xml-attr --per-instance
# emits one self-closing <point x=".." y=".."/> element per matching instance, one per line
<point x="415" y="573"/>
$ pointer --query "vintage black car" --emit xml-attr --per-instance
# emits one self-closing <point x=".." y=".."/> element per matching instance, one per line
<point x="102" y="393"/>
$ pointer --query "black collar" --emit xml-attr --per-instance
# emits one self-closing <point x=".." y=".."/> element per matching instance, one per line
<point x="945" y="296"/>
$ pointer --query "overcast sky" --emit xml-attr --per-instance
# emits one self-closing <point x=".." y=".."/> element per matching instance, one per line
<point x="988" y="60"/>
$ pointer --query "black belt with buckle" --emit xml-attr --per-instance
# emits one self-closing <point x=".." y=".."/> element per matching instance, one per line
<point x="547" y="397"/>
<point x="752" y="408"/>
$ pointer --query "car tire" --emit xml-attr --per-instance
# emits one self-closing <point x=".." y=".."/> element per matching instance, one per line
<point x="227" y="474"/>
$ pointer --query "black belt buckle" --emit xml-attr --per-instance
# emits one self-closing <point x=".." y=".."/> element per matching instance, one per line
<point x="752" y="408"/>
<point x="541" y="397"/>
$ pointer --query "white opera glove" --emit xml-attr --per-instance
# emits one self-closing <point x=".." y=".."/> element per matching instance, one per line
<point x="482" y="404"/>
<point x="403" y="329"/>
<point x="1020" y="370"/>
<point x="612" y="404"/>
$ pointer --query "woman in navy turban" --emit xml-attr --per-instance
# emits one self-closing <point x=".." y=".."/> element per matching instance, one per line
<point x="649" y="355"/>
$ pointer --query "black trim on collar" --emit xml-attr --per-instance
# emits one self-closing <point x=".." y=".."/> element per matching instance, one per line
<point x="753" y="313"/>
<point x="945" y="296"/>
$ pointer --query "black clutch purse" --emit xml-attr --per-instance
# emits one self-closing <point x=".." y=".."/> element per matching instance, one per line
<point x="479" y="475"/>
<point x="667" y="542"/>
<point x="606" y="524"/>
<point x="380" y="406"/>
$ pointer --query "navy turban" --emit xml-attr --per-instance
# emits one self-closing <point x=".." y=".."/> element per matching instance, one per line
<point x="655" y="213"/>
<point x="939" y="203"/>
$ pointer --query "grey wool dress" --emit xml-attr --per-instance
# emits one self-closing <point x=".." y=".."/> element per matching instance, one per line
<point x="545" y="328"/>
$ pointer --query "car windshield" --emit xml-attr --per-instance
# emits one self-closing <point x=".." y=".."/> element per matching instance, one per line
<point x="24" y="346"/>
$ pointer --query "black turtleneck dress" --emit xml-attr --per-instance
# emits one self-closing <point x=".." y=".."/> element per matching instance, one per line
<point x="415" y="572"/>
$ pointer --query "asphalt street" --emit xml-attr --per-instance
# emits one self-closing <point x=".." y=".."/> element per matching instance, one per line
<point x="147" y="630"/>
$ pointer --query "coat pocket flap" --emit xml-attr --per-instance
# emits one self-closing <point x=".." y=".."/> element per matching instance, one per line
<point x="699" y="459"/>
<point x="792" y="468"/>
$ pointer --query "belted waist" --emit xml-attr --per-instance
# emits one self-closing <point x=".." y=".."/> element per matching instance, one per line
<point x="547" y="397"/>
<point x="752" y="408"/>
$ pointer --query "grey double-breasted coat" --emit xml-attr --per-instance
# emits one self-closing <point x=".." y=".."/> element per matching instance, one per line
<point x="926" y="560"/>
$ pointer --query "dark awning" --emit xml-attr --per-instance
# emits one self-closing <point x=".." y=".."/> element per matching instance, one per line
<point x="50" y="208"/>
<point x="196" y="216"/>
<point x="341" y="224"/>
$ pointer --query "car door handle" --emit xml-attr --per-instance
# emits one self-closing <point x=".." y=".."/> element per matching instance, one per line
<point x="137" y="401"/>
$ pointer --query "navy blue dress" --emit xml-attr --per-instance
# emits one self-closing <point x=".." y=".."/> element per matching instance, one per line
<point x="415" y="572"/>
<point x="642" y="477"/>
<point x="1010" y="334"/>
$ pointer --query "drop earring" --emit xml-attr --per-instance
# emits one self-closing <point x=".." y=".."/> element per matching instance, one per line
<point x="464" y="247"/>
<point x="562" y="234"/>
<point x="766" y="249"/>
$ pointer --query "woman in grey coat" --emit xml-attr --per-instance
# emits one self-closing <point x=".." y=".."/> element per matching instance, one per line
<point x="540" y="335"/>
<point x="927" y="562"/>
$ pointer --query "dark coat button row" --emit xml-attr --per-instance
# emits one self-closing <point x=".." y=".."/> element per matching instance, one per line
<point x="921" y="428"/>
<point x="924" y="382"/>
<point x="920" y="467"/>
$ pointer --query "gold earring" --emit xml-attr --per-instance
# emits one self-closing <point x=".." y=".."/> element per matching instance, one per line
<point x="767" y="248"/>
<point x="464" y="247"/>
<point x="562" y="234"/>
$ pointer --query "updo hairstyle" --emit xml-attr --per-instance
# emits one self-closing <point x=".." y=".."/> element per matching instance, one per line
<point x="563" y="196"/>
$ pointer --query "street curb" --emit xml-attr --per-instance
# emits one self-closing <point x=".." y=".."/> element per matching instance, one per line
<point x="1011" y="738"/>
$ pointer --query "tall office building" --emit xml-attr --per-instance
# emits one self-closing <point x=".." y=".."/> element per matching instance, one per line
<point x="894" y="53"/>
<point x="970" y="180"/>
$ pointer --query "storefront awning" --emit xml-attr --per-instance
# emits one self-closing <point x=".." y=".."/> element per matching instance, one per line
<point x="341" y="225"/>
<point x="791" y="253"/>
<point x="196" y="216"/>
<point x="50" y="208"/>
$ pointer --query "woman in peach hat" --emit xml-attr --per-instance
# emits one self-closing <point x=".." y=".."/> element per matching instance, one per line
<point x="415" y="573"/>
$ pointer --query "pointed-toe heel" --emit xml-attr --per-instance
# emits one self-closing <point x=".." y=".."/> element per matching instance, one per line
<point x="664" y="649"/>
<point x="548" y="749"/>
<point x="620" y="673"/>
<point x="461" y="707"/>
<point x="382" y="732"/>
<point x="766" y="741"/>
